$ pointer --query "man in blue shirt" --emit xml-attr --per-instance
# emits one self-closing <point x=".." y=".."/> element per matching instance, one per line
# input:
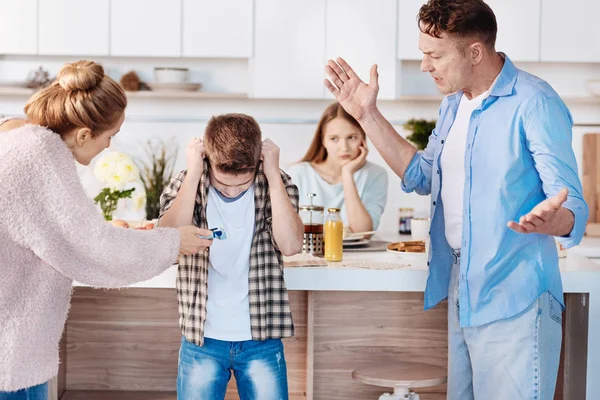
<point x="503" y="181"/>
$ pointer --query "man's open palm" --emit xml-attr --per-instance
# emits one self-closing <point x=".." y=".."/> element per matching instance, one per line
<point x="355" y="96"/>
<point x="542" y="218"/>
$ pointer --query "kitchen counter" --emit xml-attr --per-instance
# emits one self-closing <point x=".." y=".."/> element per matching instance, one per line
<point x="114" y="330"/>
<point x="579" y="272"/>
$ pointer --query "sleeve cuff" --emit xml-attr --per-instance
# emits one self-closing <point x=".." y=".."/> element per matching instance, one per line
<point x="411" y="174"/>
<point x="580" y="216"/>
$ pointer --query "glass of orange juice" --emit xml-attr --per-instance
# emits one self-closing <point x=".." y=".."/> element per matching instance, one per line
<point x="334" y="235"/>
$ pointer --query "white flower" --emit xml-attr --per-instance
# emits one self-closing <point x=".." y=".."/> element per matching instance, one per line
<point x="116" y="169"/>
<point x="139" y="200"/>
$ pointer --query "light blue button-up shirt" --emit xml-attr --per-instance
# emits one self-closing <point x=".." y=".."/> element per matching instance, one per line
<point x="518" y="154"/>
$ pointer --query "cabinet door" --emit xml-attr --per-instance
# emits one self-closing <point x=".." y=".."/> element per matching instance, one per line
<point x="289" y="49"/>
<point x="18" y="27"/>
<point x="217" y="28"/>
<point x="73" y="27"/>
<point x="518" y="28"/>
<point x="570" y="31"/>
<point x="145" y="28"/>
<point x="408" y="29"/>
<point x="363" y="32"/>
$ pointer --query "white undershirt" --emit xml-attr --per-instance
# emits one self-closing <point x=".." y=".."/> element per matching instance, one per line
<point x="228" y="307"/>
<point x="453" y="168"/>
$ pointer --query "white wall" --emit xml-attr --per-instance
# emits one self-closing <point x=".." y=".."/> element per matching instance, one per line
<point x="290" y="123"/>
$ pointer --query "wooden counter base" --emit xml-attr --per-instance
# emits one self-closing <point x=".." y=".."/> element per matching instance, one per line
<point x="128" y="340"/>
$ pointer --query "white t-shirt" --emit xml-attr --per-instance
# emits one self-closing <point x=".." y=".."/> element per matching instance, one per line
<point x="453" y="168"/>
<point x="228" y="307"/>
<point x="371" y="184"/>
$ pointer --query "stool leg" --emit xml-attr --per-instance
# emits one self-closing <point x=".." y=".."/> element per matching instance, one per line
<point x="400" y="391"/>
<point x="414" y="396"/>
<point x="387" y="396"/>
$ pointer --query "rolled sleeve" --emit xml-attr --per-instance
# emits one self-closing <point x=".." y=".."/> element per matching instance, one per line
<point x="413" y="175"/>
<point x="580" y="211"/>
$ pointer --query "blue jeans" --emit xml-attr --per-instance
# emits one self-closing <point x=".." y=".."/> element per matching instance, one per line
<point x="510" y="359"/>
<point x="259" y="368"/>
<point x="39" y="392"/>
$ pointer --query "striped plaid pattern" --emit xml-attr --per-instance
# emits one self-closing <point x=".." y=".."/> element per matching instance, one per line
<point x="270" y="314"/>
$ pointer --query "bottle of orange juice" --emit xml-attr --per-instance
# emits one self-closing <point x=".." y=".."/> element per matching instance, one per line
<point x="334" y="235"/>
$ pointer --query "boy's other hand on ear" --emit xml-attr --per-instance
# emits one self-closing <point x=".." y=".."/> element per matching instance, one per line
<point x="195" y="157"/>
<point x="270" y="157"/>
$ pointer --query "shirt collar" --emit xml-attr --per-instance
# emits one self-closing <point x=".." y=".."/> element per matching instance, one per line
<point x="503" y="85"/>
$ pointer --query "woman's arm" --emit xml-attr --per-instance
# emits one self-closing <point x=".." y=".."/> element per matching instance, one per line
<point x="358" y="216"/>
<point x="359" y="219"/>
<point x="54" y="218"/>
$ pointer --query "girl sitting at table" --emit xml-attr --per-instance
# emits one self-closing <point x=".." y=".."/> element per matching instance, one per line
<point x="335" y="167"/>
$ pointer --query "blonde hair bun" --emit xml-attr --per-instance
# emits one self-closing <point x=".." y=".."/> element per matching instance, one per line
<point x="81" y="75"/>
<point x="81" y="96"/>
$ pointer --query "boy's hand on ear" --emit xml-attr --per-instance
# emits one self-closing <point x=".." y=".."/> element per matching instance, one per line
<point x="195" y="157"/>
<point x="351" y="166"/>
<point x="270" y="157"/>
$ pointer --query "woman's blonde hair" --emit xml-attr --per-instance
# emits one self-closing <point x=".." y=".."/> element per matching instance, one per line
<point x="317" y="153"/>
<point x="82" y="96"/>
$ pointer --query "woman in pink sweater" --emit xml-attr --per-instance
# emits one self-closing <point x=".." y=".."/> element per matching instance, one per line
<point x="51" y="233"/>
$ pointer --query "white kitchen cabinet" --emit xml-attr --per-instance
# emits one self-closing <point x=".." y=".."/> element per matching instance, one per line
<point x="408" y="29"/>
<point x="18" y="27"/>
<point x="570" y="31"/>
<point x="363" y="32"/>
<point x="289" y="49"/>
<point x="518" y="28"/>
<point x="73" y="27"/>
<point x="217" y="28"/>
<point x="145" y="28"/>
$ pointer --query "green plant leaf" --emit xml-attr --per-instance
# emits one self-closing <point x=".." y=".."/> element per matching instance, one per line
<point x="156" y="172"/>
<point x="421" y="130"/>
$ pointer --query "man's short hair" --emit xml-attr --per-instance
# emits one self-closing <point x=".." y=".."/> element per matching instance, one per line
<point x="464" y="19"/>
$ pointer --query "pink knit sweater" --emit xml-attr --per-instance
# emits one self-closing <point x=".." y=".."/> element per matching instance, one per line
<point x="50" y="235"/>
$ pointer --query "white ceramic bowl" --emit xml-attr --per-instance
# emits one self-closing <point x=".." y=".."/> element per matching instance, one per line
<point x="593" y="86"/>
<point x="170" y="75"/>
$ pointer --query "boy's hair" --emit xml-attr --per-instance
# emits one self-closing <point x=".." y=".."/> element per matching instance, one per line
<point x="233" y="143"/>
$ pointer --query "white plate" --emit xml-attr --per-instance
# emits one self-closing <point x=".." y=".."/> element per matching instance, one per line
<point x="357" y="235"/>
<point x="409" y="255"/>
<point x="175" y="86"/>
<point x="353" y="239"/>
<point x="357" y="243"/>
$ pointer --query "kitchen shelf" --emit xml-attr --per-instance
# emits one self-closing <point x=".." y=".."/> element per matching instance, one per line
<point x="147" y="94"/>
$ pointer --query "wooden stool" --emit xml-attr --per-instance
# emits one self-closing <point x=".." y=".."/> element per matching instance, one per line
<point x="401" y="376"/>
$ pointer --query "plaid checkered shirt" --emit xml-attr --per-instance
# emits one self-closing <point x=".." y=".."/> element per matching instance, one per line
<point x="270" y="313"/>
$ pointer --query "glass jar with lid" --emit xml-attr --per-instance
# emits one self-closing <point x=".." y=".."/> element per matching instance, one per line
<point x="312" y="217"/>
